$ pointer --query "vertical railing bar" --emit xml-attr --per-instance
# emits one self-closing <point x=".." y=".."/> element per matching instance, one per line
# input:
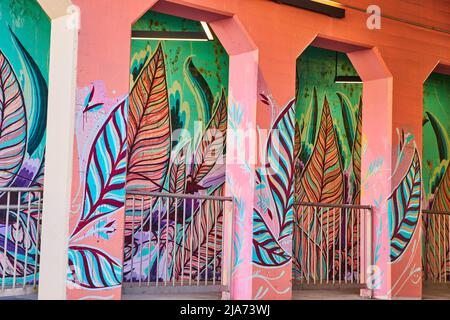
<point x="439" y="248"/>
<point x="38" y="240"/>
<point x="327" y="261"/>
<point x="191" y="243"/>
<point x="446" y="239"/>
<point x="216" y="221"/>
<point x="183" y="244"/>
<point x="166" y="262"/>
<point x="352" y="245"/>
<point x="158" y="240"/>
<point x="26" y="234"/>
<point x="150" y="240"/>
<point x="5" y="247"/>
<point x="207" y="242"/>
<point x="308" y="261"/>
<point x="358" y="253"/>
<point x="345" y="244"/>
<point x="334" y="245"/>
<point x="340" y="246"/>
<point x="133" y="212"/>
<point x="199" y="247"/>
<point x="174" y="241"/>
<point x="369" y="241"/>
<point x="321" y="245"/>
<point x="302" y="238"/>
<point x="141" y="244"/>
<point x="17" y="238"/>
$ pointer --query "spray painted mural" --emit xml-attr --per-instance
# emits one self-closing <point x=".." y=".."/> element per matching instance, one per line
<point x="436" y="174"/>
<point x="152" y="140"/>
<point x="24" y="58"/>
<point x="176" y="144"/>
<point x="327" y="168"/>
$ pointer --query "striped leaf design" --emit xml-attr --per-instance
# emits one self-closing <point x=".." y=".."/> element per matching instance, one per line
<point x="91" y="268"/>
<point x="404" y="209"/>
<point x="437" y="231"/>
<point x="149" y="131"/>
<point x="322" y="180"/>
<point x="37" y="115"/>
<point x="212" y="146"/>
<point x="178" y="172"/>
<point x="266" y="249"/>
<point x="297" y="142"/>
<point x="202" y="231"/>
<point x="280" y="167"/>
<point x="106" y="169"/>
<point x="13" y="124"/>
<point x="356" y="155"/>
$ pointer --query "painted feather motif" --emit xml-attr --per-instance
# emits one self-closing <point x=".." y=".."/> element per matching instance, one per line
<point x="13" y="124"/>
<point x="211" y="148"/>
<point x="106" y="169"/>
<point x="280" y="168"/>
<point x="149" y="132"/>
<point x="356" y="156"/>
<point x="266" y="249"/>
<point x="92" y="268"/>
<point x="437" y="231"/>
<point x="177" y="181"/>
<point x="322" y="180"/>
<point x="404" y="209"/>
<point x="39" y="94"/>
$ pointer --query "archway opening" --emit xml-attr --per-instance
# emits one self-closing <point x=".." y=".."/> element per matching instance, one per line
<point x="436" y="183"/>
<point x="177" y="127"/>
<point x="328" y="218"/>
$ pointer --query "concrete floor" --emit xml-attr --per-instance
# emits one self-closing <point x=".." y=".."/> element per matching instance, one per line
<point x="429" y="293"/>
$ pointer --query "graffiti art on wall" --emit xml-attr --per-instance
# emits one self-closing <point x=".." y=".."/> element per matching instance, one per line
<point x="177" y="121"/>
<point x="153" y="140"/>
<point x="327" y="167"/>
<point x="436" y="172"/>
<point x="23" y="115"/>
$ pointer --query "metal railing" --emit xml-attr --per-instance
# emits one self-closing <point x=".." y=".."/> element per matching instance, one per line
<point x="436" y="246"/>
<point x="20" y="231"/>
<point x="331" y="245"/>
<point x="177" y="240"/>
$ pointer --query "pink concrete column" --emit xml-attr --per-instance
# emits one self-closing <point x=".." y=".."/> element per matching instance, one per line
<point x="98" y="189"/>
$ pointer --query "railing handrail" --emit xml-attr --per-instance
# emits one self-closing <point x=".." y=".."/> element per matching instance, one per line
<point x="332" y="205"/>
<point x="178" y="196"/>
<point x="21" y="190"/>
<point x="436" y="212"/>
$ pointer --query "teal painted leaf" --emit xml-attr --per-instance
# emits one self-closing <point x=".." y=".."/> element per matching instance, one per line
<point x="13" y="123"/>
<point x="266" y="250"/>
<point x="92" y="269"/>
<point x="39" y="95"/>
<point x="404" y="209"/>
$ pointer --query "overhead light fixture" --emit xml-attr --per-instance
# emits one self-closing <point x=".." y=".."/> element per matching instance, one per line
<point x="345" y="79"/>
<point x="206" y="35"/>
<point x="329" y="8"/>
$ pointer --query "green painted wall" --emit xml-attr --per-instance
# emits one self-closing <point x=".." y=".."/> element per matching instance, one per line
<point x="209" y="58"/>
<point x="328" y="166"/>
<point x="436" y="130"/>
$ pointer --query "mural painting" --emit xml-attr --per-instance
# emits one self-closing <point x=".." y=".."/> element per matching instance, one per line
<point x="24" y="59"/>
<point x="157" y="139"/>
<point x="436" y="174"/>
<point x="328" y="135"/>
